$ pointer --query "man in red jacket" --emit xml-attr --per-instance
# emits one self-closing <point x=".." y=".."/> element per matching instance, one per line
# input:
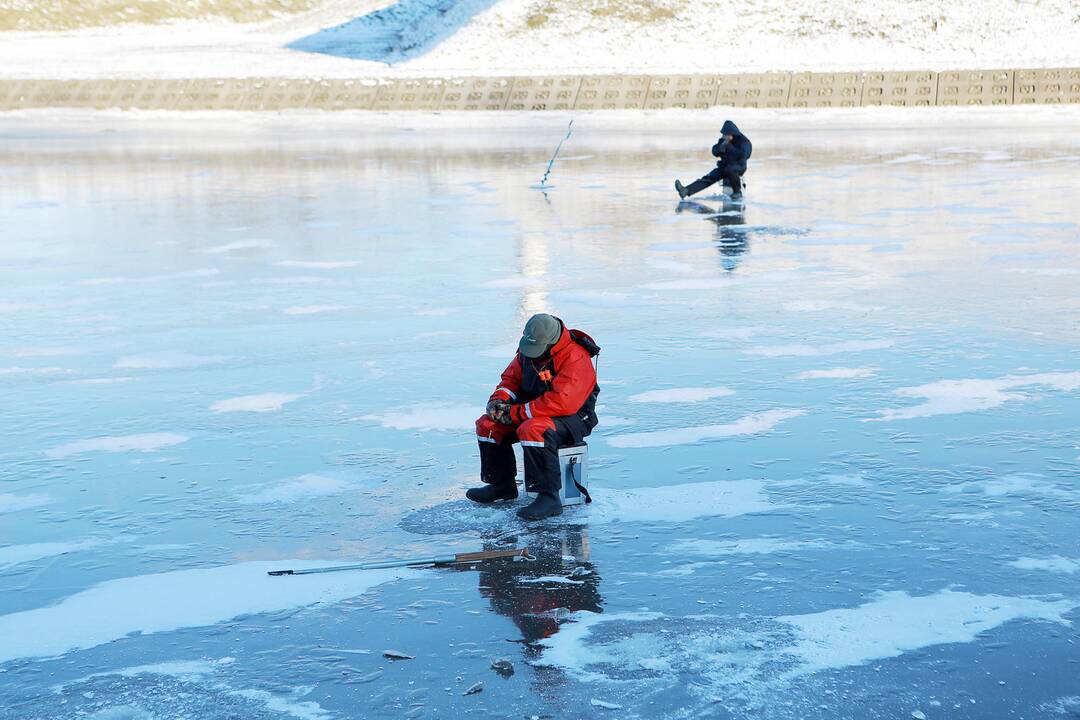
<point x="546" y="399"/>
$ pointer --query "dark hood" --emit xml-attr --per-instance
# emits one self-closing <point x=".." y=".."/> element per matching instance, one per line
<point x="730" y="128"/>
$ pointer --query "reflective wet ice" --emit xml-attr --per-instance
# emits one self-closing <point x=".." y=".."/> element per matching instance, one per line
<point x="835" y="471"/>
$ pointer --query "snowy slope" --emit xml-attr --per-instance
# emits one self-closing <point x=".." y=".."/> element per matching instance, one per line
<point x="486" y="37"/>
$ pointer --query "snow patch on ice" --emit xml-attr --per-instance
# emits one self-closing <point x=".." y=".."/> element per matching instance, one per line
<point x="150" y="279"/>
<point x="13" y="555"/>
<point x="303" y="709"/>
<point x="840" y="373"/>
<point x="10" y="502"/>
<point x="238" y="245"/>
<point x="1054" y="564"/>
<point x="168" y="360"/>
<point x="301" y="488"/>
<point x="753" y="424"/>
<point x="948" y="397"/>
<point x="144" y="442"/>
<point x="823" y="305"/>
<point x="736" y="656"/>
<point x="1010" y="485"/>
<point x="266" y="402"/>
<point x="319" y="264"/>
<point x="503" y="352"/>
<point x="314" y="309"/>
<point x="18" y="370"/>
<point x="433" y="416"/>
<point x="683" y="502"/>
<point x="753" y="546"/>
<point x="681" y="395"/>
<point x="173" y="600"/>
<point x="802" y="350"/>
<point x="895" y="623"/>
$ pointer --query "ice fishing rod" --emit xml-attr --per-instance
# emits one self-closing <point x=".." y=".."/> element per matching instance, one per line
<point x="551" y="162"/>
<point x="472" y="557"/>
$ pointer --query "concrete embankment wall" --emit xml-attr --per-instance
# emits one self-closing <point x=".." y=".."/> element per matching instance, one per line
<point x="564" y="92"/>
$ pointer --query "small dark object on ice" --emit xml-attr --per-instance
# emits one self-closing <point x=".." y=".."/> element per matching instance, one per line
<point x="396" y="655"/>
<point x="544" y="506"/>
<point x="503" y="666"/>
<point x="478" y="687"/>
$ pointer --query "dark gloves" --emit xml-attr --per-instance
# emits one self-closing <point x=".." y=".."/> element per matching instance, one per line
<point x="499" y="411"/>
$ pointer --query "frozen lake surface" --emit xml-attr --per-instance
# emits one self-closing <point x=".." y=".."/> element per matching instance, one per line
<point x="836" y="472"/>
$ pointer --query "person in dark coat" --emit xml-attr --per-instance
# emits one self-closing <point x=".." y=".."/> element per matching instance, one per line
<point x="733" y="150"/>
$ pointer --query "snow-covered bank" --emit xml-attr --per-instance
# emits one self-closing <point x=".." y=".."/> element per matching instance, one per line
<point x="538" y="37"/>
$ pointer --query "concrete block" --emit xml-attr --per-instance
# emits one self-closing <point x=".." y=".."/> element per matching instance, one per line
<point x="810" y="90"/>
<point x="682" y="91"/>
<point x="343" y="94"/>
<point x="544" y="93"/>
<point x="1048" y="86"/>
<point x="975" y="87"/>
<point x="409" y="94"/>
<point x="763" y="90"/>
<point x="476" y="94"/>
<point x="900" y="89"/>
<point x="612" y="92"/>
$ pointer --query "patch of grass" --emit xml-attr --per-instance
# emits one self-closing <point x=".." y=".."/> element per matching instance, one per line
<point x="46" y="15"/>
<point x="641" y="11"/>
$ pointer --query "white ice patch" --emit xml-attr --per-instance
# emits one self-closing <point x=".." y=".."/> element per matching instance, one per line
<point x="596" y="298"/>
<point x="514" y="281"/>
<point x="173" y="600"/>
<point x="303" y="487"/>
<point x="735" y="656"/>
<point x="149" y="279"/>
<point x="753" y="424"/>
<point x="266" y="402"/>
<point x="40" y="352"/>
<point x="895" y="622"/>
<point x="822" y="305"/>
<point x="948" y="397"/>
<point x="502" y="352"/>
<point x="1054" y="564"/>
<point x="555" y="579"/>
<point x="303" y="709"/>
<point x="145" y="442"/>
<point x="167" y="360"/>
<point x="692" y="283"/>
<point x="753" y="546"/>
<point x="17" y="370"/>
<point x="683" y="502"/>
<point x="314" y="309"/>
<point x="13" y="503"/>
<point x="434" y="416"/>
<point x="1011" y="485"/>
<point x="840" y="373"/>
<point x="681" y="395"/>
<point x="238" y="245"/>
<point x="101" y="380"/>
<point x="801" y="350"/>
<point x="13" y="555"/>
<point x="319" y="264"/>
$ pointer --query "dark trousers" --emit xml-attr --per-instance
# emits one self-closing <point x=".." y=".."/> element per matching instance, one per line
<point x="540" y="440"/>
<point x="727" y="173"/>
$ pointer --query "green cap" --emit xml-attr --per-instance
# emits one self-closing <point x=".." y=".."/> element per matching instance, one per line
<point x="541" y="332"/>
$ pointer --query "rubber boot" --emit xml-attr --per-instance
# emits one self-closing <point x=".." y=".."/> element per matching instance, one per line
<point x="492" y="493"/>
<point x="544" y="506"/>
<point x="681" y="189"/>
<point x="696" y="187"/>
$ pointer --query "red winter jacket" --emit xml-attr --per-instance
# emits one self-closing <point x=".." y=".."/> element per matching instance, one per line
<point x="564" y="384"/>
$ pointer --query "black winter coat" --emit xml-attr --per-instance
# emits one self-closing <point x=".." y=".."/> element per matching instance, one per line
<point x="735" y="153"/>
